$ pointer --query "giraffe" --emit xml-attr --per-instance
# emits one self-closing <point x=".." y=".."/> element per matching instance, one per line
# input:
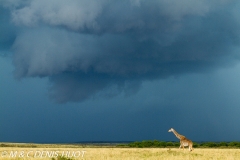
<point x="183" y="140"/>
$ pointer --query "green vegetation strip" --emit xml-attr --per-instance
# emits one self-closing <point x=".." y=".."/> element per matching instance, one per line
<point x="163" y="144"/>
<point x="137" y="144"/>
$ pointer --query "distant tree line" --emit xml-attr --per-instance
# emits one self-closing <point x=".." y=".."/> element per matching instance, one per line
<point x="163" y="144"/>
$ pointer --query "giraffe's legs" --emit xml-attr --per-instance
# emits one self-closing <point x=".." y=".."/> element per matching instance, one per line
<point x="190" y="148"/>
<point x="181" y="146"/>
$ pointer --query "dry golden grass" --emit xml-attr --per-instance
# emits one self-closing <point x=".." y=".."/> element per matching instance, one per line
<point x="93" y="153"/>
<point x="160" y="153"/>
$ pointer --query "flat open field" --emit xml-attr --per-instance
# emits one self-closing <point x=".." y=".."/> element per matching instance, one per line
<point x="49" y="152"/>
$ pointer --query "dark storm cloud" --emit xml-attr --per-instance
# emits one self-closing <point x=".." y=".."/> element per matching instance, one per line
<point x="85" y="47"/>
<point x="7" y="31"/>
<point x="80" y="86"/>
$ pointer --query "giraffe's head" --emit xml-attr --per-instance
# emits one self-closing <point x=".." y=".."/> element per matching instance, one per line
<point x="170" y="130"/>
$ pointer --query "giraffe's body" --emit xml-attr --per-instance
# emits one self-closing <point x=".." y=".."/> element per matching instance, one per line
<point x="183" y="140"/>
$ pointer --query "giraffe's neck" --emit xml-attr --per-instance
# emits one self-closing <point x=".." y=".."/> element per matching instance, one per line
<point x="176" y="134"/>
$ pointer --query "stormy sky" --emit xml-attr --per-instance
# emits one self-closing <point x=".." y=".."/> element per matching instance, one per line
<point x="104" y="70"/>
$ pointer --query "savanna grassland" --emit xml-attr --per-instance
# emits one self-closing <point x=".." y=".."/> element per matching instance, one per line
<point x="54" y="151"/>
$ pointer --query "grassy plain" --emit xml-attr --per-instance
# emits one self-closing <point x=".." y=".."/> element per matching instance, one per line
<point x="48" y="152"/>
